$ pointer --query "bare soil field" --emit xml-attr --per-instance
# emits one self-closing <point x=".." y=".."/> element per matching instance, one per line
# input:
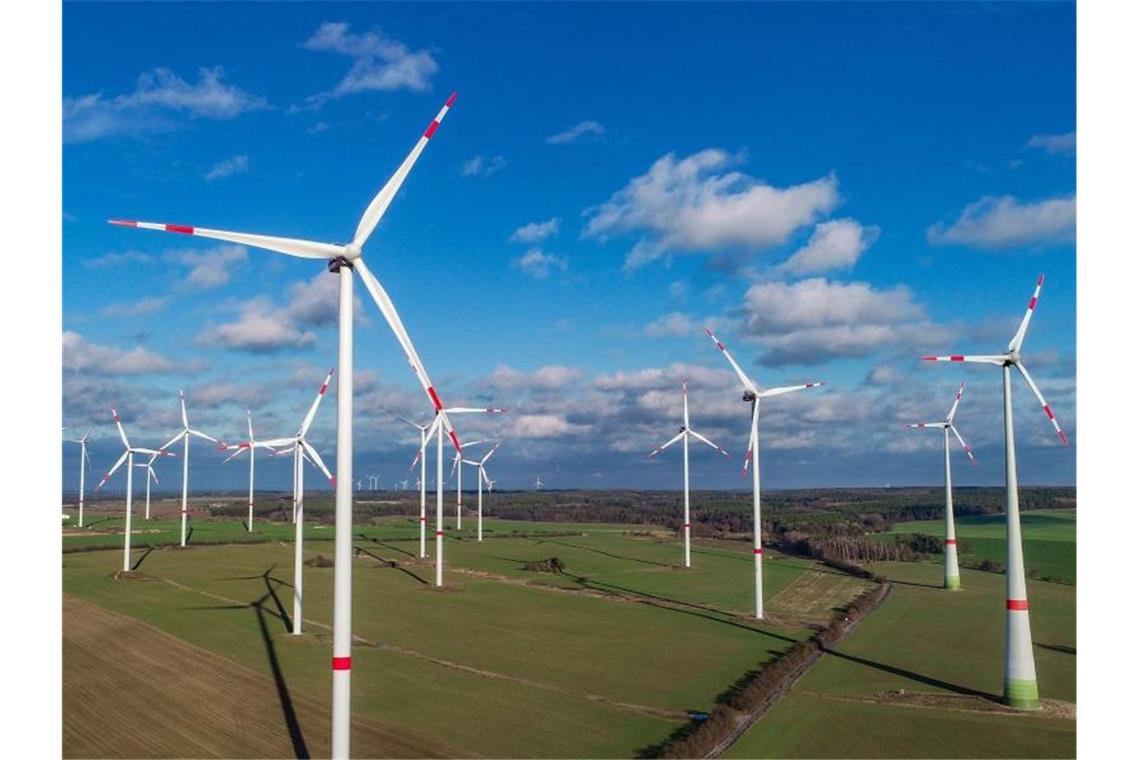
<point x="120" y="675"/>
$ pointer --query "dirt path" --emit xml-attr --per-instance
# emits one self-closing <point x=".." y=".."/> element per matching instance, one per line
<point x="120" y="677"/>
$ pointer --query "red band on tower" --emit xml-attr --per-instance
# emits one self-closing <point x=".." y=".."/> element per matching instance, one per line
<point x="1017" y="605"/>
<point x="342" y="663"/>
<point x="757" y="551"/>
<point x="951" y="542"/>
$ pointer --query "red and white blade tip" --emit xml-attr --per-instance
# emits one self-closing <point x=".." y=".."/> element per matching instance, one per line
<point x="451" y="100"/>
<point x="1040" y="280"/>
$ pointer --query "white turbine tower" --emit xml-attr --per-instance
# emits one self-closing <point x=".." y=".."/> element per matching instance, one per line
<point x="84" y="460"/>
<point x="538" y="484"/>
<point x="344" y="260"/>
<point x="752" y="395"/>
<point x="128" y="457"/>
<point x="683" y="436"/>
<point x="1020" y="689"/>
<point x="184" y="435"/>
<point x="437" y="430"/>
<point x="249" y="445"/>
<point x="457" y="473"/>
<point x="482" y="477"/>
<point x="301" y="450"/>
<point x="952" y="580"/>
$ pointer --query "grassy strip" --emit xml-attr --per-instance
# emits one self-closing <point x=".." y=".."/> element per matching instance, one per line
<point x="752" y="696"/>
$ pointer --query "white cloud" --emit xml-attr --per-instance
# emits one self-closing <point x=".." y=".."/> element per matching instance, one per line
<point x="210" y="268"/>
<point x="677" y="325"/>
<point x="92" y="358"/>
<point x="144" y="307"/>
<point x="836" y="244"/>
<point x="259" y="329"/>
<point x="814" y="320"/>
<point x="315" y="302"/>
<point x="1065" y="143"/>
<point x="320" y="126"/>
<point x="228" y="167"/>
<point x="536" y="232"/>
<point x="542" y="426"/>
<point x="1005" y="222"/>
<point x="477" y="166"/>
<point x="108" y="260"/>
<point x="578" y="130"/>
<point x="550" y="377"/>
<point x="158" y="96"/>
<point x="379" y="63"/>
<point x="694" y="204"/>
<point x="539" y="265"/>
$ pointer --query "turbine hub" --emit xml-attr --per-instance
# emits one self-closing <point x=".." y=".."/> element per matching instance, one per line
<point x="352" y="252"/>
<point x="749" y="397"/>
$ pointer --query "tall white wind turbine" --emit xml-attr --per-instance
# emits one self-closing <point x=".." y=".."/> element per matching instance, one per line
<point x="149" y="465"/>
<point x="952" y="580"/>
<point x="457" y="473"/>
<point x="752" y="395"/>
<point x="301" y="449"/>
<point x="436" y="429"/>
<point x="128" y="457"/>
<point x="84" y="460"/>
<point x="250" y="445"/>
<point x="344" y="260"/>
<point x="683" y="436"/>
<point x="421" y="481"/>
<point x="1020" y="686"/>
<point x="184" y="435"/>
<point x="482" y="478"/>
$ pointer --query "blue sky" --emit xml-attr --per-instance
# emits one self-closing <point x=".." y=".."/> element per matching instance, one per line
<point x="836" y="188"/>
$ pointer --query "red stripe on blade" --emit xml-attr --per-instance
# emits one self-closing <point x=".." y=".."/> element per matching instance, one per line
<point x="324" y="388"/>
<point x="1048" y="411"/>
<point x="431" y="129"/>
<point x="1017" y="605"/>
<point x="181" y="229"/>
<point x="957" y="358"/>
<point x="434" y="398"/>
<point x="451" y="101"/>
<point x="342" y="663"/>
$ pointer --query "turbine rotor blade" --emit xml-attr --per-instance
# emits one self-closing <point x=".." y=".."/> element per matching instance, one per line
<point x="1044" y="404"/>
<point x="316" y="402"/>
<point x="666" y="445"/>
<point x="957" y="400"/>
<point x="305" y="249"/>
<point x="119" y="425"/>
<point x="787" y="389"/>
<point x="1019" y="336"/>
<point x="316" y="459"/>
<point x="111" y="471"/>
<point x="388" y="310"/>
<point x="965" y="446"/>
<point x="701" y="438"/>
<point x="748" y="384"/>
<point x="998" y="359"/>
<point x="383" y="199"/>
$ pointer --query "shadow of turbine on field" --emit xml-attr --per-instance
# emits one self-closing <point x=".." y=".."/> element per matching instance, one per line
<point x="607" y="554"/>
<point x="144" y="555"/>
<point x="919" y="677"/>
<point x="1063" y="649"/>
<point x="378" y="542"/>
<point x="390" y="563"/>
<point x="292" y="725"/>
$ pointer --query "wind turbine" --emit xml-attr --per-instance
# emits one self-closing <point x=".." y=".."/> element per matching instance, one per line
<point x="752" y="395"/>
<point x="184" y="434"/>
<point x="436" y="429"/>
<point x="84" y="460"/>
<point x="149" y="477"/>
<point x="538" y="484"/>
<point x="952" y="580"/>
<point x="421" y="481"/>
<point x="482" y="476"/>
<point x="128" y="456"/>
<point x="683" y="436"/>
<point x="301" y="449"/>
<point x="343" y="260"/>
<point x="1020" y="690"/>
<point x="457" y="472"/>
<point x="249" y="445"/>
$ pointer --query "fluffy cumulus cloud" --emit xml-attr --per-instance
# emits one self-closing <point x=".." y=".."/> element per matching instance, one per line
<point x="81" y="356"/>
<point x="539" y="264"/>
<point x="697" y="203"/>
<point x="814" y="320"/>
<point x="550" y="377"/>
<point x="478" y="166"/>
<point x="1064" y="143"/>
<point x="576" y="132"/>
<point x="210" y="268"/>
<point x="114" y="259"/>
<point x="836" y="244"/>
<point x="379" y="63"/>
<point x="159" y="100"/>
<point x="259" y="329"/>
<point x="676" y="324"/>
<point x="1006" y="222"/>
<point x="536" y="232"/>
<point x="227" y="168"/>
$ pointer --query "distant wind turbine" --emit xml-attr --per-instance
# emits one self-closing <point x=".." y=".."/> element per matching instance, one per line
<point x="683" y="436"/>
<point x="1020" y="689"/>
<point x="482" y="477"/>
<point x="952" y="580"/>
<point x="249" y="445"/>
<point x="128" y="457"/>
<point x="149" y="465"/>
<point x="752" y="395"/>
<point x="84" y="460"/>
<point x="184" y="435"/>
<point x="457" y="472"/>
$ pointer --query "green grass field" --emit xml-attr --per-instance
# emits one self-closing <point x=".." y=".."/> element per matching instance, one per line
<point x="925" y="639"/>
<point x="504" y="661"/>
<point x="1049" y="539"/>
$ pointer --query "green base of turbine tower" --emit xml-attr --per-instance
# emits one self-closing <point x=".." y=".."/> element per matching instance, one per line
<point x="953" y="583"/>
<point x="1021" y="695"/>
